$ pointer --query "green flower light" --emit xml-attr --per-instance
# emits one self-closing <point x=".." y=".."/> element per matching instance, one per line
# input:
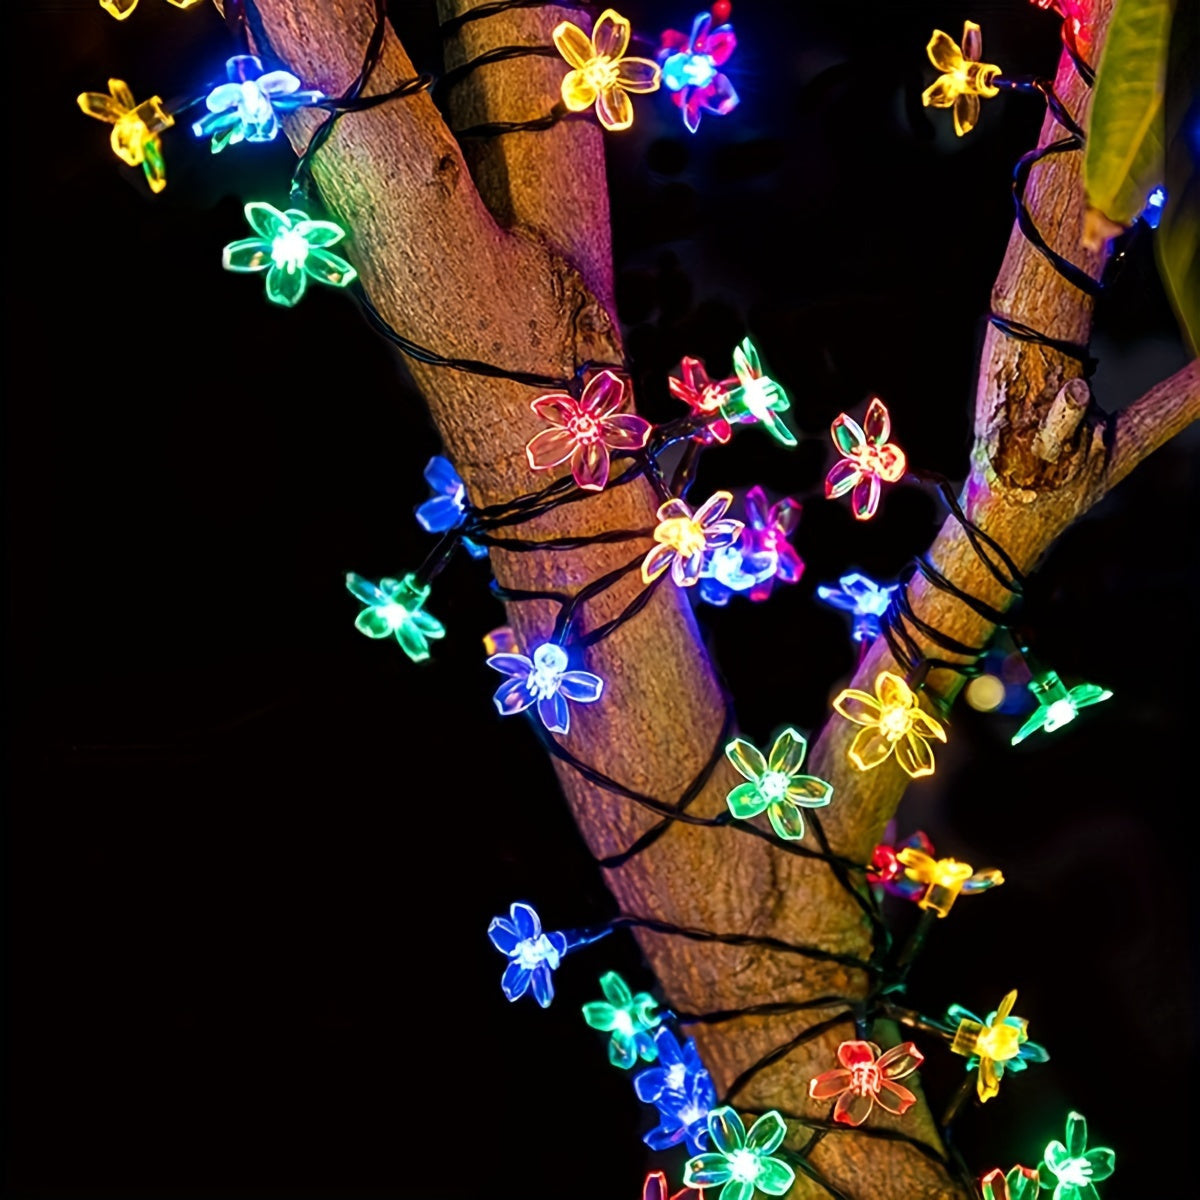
<point x="1077" y="1168"/>
<point x="1056" y="705"/>
<point x="741" y="1161"/>
<point x="758" y="398"/>
<point x="395" y="606"/>
<point x="628" y="1018"/>
<point x="776" y="786"/>
<point x="291" y="249"/>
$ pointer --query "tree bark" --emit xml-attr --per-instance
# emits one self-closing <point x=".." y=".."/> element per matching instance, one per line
<point x="504" y="255"/>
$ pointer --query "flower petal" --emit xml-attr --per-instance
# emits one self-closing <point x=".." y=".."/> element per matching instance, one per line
<point x="515" y="980"/>
<point x="843" y="475"/>
<point x="737" y="1189"/>
<point x="589" y="465"/>
<point x="320" y="233"/>
<point x="943" y="51"/>
<point x="829" y="1084"/>
<point x="787" y="754"/>
<point x="895" y="1097"/>
<point x="1102" y="1161"/>
<point x="966" y="113"/>
<point x="900" y="1061"/>
<point x="869" y="748"/>
<point x="556" y="407"/>
<point x="858" y="707"/>
<point x="809" y="792"/>
<point x="940" y="93"/>
<point x="638" y="75"/>
<point x="373" y="623"/>
<point x="852" y="1108"/>
<point x="578" y="91"/>
<point x="327" y="267"/>
<point x="650" y="1084"/>
<point x="622" y="1050"/>
<point x="614" y="108"/>
<point x="573" y="44"/>
<point x="720" y="44"/>
<point x="857" y="1053"/>
<point x="285" y="287"/>
<point x="726" y="1130"/>
<point x="610" y="34"/>
<point x="972" y="43"/>
<point x="656" y="562"/>
<point x="549" y="448"/>
<point x="516" y="665"/>
<point x="719" y="97"/>
<point x="746" y="758"/>
<point x="786" y="819"/>
<point x="774" y="1176"/>
<point x="439" y="514"/>
<point x="581" y="686"/>
<point x="713" y="509"/>
<point x="914" y="755"/>
<point x="554" y="714"/>
<point x="625" y="431"/>
<point x="604" y="394"/>
<point x="877" y="425"/>
<point x="543" y="985"/>
<point x="746" y="801"/>
<point x="266" y="220"/>
<point x="1076" y="1134"/>
<point x="248" y="254"/>
<point x="766" y="1134"/>
<point x="512" y="697"/>
<point x="503" y="934"/>
<point x="706" y="1170"/>
<point x="847" y="434"/>
<point x="864" y="499"/>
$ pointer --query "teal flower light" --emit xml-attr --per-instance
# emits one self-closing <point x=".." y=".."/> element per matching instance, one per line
<point x="291" y="248"/>
<point x="776" y="785"/>
<point x="741" y="1161"/>
<point x="628" y="1018"/>
<point x="1076" y="1168"/>
<point x="1056" y="706"/>
<point x="396" y="606"/>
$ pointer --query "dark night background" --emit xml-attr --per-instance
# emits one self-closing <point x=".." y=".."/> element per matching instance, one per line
<point x="252" y="855"/>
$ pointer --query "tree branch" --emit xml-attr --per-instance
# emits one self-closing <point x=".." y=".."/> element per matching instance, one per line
<point x="1152" y="420"/>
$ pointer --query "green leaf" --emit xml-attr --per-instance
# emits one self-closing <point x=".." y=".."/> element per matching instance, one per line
<point x="1123" y="159"/>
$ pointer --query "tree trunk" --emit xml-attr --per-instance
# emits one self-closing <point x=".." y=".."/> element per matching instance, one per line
<point x="505" y="256"/>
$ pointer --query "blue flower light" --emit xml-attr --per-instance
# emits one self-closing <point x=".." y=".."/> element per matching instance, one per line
<point x="863" y="597"/>
<point x="545" y="681"/>
<point x="1155" y="202"/>
<point x="533" y="955"/>
<point x="689" y="69"/>
<point x="682" y="1091"/>
<point x="733" y="569"/>
<point x="446" y="509"/>
<point x="247" y="108"/>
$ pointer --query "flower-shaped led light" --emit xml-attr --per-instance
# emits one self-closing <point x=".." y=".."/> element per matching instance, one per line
<point x="757" y="398"/>
<point x="247" y="108"/>
<point x="655" y="1187"/>
<point x="545" y="681"/>
<point x="1021" y="1183"/>
<point x="1155" y="203"/>
<point x="585" y="430"/>
<point x="291" y="248"/>
<point x="446" y="509"/>
<point x="868" y="459"/>
<point x="895" y="723"/>
<point x="122" y="8"/>
<point x="887" y="873"/>
<point x="862" y="597"/>
<point x="628" y="1018"/>
<point x="766" y="538"/>
<point x="705" y="397"/>
<point x="396" y="606"/>
<point x="943" y="880"/>
<point x="1056" y="706"/>
<point x="601" y="75"/>
<point x="684" y="538"/>
<point x="501" y="640"/>
<point x="776" y="786"/>
<point x="1000" y="1042"/>
<point x="136" y="128"/>
<point x="689" y="69"/>
<point x="731" y="569"/>
<point x="682" y="1091"/>
<point x="867" y="1078"/>
<point x="533" y="956"/>
<point x="963" y="79"/>
<point x="742" y="1161"/>
<point x="1076" y="1168"/>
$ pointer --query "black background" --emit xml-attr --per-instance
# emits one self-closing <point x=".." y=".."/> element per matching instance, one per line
<point x="252" y="855"/>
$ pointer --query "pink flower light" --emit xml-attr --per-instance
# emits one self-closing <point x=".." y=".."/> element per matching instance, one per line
<point x="868" y="459"/>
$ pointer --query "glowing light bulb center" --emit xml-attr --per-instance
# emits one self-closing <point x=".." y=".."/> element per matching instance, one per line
<point x="534" y="951"/>
<point x="549" y="663"/>
<point x="999" y="1042"/>
<point x="396" y="615"/>
<point x="744" y="1166"/>
<point x="691" y="1113"/>
<point x="1059" y="713"/>
<point x="894" y="722"/>
<point x="756" y="395"/>
<point x="601" y="73"/>
<point x="864" y="1078"/>
<point x="289" y="250"/>
<point x="686" y="69"/>
<point x="773" y="784"/>
<point x="584" y="428"/>
<point x="682" y="534"/>
<point x="623" y="1023"/>
<point x="676" y="1076"/>
<point x="712" y="397"/>
<point x="1078" y="1172"/>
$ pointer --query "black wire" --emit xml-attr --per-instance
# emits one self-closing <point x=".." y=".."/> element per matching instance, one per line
<point x="496" y="54"/>
<point x="453" y="24"/>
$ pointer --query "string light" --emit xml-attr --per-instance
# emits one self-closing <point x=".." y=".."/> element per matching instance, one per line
<point x="655" y="1187"/>
<point x="682" y="1091"/>
<point x="775" y="785"/>
<point x="999" y="1042"/>
<point x="292" y="249"/>
<point x="546" y="682"/>
<point x="887" y="873"/>
<point x="1076" y="1168"/>
<point x="684" y="538"/>
<point x="944" y="879"/>
<point x="396" y="606"/>
<point x="628" y="1018"/>
<point x="705" y="398"/>
<point x="894" y="723"/>
<point x="866" y="1078"/>
<point x="1155" y="203"/>
<point x="533" y="955"/>
<point x="1021" y="1183"/>
<point x="1056" y="706"/>
<point x="601" y="75"/>
<point x="761" y="555"/>
<point x="585" y="430"/>
<point x="136" y="127"/>
<point x="123" y="8"/>
<point x="446" y="509"/>
<point x="689" y="69"/>
<point x="248" y="107"/>
<point x="862" y="597"/>
<point x="743" y="1162"/>
<point x="868" y="459"/>
<point x="757" y="398"/>
<point x="964" y="78"/>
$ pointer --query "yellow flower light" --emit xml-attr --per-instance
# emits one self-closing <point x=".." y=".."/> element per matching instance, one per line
<point x="600" y="74"/>
<point x="122" y="8"/>
<point x="136" y="128"/>
<point x="895" y="723"/>
<point x="964" y="78"/>
<point x="995" y="1045"/>
<point x="945" y="879"/>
